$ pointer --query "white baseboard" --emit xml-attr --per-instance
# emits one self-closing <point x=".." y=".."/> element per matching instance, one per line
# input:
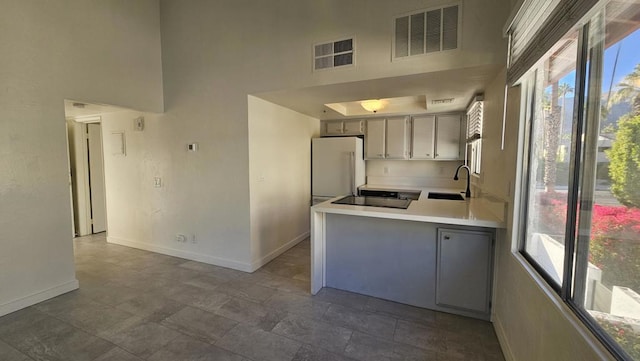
<point x="502" y="339"/>
<point x="278" y="251"/>
<point x="37" y="297"/>
<point x="217" y="261"/>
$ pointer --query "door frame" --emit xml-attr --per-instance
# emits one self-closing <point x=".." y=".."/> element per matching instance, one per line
<point x="79" y="170"/>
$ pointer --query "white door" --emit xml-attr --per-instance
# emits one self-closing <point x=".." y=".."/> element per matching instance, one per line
<point x="423" y="137"/>
<point x="448" y="137"/>
<point x="375" y="142"/>
<point x="464" y="269"/>
<point x="397" y="138"/>
<point x="96" y="178"/>
<point x="353" y="127"/>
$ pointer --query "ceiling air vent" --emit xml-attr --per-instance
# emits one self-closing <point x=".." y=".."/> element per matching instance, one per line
<point x="333" y="54"/>
<point x="427" y="31"/>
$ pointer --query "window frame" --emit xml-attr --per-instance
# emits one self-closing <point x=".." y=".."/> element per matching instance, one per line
<point x="529" y="97"/>
<point x="589" y="63"/>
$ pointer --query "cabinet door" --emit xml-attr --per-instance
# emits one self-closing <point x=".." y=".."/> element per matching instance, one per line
<point x="397" y="138"/>
<point x="423" y="137"/>
<point x="333" y="128"/>
<point x="353" y="127"/>
<point x="375" y="140"/>
<point x="448" y="137"/>
<point x="463" y="279"/>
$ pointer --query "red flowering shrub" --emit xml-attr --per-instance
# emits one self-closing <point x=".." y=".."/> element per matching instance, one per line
<point x="615" y="237"/>
<point x="623" y="333"/>
<point x="552" y="213"/>
<point x="615" y="245"/>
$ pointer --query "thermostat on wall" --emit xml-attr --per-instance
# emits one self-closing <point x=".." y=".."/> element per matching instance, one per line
<point x="192" y="147"/>
<point x="138" y="124"/>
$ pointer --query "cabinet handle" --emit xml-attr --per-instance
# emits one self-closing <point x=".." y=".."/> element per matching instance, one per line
<point x="447" y="237"/>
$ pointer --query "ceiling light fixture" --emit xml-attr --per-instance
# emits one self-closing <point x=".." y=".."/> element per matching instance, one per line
<point x="372" y="105"/>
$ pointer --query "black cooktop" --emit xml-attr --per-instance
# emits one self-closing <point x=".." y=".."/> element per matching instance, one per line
<point x="374" y="202"/>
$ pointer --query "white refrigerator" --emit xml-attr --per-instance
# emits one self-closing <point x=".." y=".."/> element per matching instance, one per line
<point x="337" y="167"/>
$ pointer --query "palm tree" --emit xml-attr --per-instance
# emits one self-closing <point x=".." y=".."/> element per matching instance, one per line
<point x="629" y="89"/>
<point x="564" y="89"/>
<point x="552" y="139"/>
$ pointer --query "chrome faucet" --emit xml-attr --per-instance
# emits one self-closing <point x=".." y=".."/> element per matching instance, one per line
<point x="467" y="193"/>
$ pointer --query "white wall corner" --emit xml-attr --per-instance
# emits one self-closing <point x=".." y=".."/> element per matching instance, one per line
<point x="187" y="255"/>
<point x="502" y="339"/>
<point x="256" y="264"/>
<point x="38" y="297"/>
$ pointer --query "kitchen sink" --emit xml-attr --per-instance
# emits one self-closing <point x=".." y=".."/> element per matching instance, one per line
<point x="448" y="196"/>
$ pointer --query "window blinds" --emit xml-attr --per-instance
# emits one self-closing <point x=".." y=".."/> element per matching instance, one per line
<point x="474" y="119"/>
<point x="538" y="25"/>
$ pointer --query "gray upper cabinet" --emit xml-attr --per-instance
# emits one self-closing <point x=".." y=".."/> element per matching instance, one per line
<point x="375" y="139"/>
<point x="341" y="127"/>
<point x="332" y="128"/>
<point x="353" y="127"/>
<point x="436" y="137"/>
<point x="464" y="269"/>
<point x="448" y="137"/>
<point x="423" y="137"/>
<point x="387" y="138"/>
<point x="397" y="139"/>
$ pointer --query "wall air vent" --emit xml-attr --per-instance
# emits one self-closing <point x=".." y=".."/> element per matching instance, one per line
<point x="333" y="54"/>
<point x="442" y="101"/>
<point x="427" y="31"/>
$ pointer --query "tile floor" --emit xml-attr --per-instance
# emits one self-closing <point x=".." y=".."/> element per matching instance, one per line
<point x="138" y="305"/>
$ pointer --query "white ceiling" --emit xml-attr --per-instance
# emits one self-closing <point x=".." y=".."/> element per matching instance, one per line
<point x="460" y="84"/>
<point x="410" y="94"/>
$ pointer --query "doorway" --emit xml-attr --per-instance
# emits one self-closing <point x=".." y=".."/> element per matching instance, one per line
<point x="86" y="162"/>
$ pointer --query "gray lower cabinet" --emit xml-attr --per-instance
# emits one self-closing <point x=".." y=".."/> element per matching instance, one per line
<point x="464" y="269"/>
<point x="416" y="263"/>
<point x="384" y="258"/>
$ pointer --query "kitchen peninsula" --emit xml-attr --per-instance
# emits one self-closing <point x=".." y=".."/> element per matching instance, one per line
<point x="436" y="254"/>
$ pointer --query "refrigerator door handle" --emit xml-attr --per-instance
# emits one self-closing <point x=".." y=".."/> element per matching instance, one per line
<point x="352" y="172"/>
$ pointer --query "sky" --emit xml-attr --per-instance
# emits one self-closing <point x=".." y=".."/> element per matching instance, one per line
<point x="627" y="60"/>
<point x="628" y="57"/>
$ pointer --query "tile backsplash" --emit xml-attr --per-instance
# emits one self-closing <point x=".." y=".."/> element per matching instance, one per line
<point x="427" y="173"/>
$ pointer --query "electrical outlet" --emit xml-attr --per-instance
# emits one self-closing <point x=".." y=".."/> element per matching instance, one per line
<point x="181" y="238"/>
<point x="386" y="170"/>
<point x="157" y="182"/>
<point x="193" y="239"/>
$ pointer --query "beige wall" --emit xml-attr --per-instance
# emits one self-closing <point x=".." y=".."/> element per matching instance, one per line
<point x="102" y="51"/>
<point x="215" y="53"/>
<point x="279" y="178"/>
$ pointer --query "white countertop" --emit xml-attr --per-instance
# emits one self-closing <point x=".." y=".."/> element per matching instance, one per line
<point x="470" y="212"/>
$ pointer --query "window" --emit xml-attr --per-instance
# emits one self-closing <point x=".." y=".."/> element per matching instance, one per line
<point x="333" y="54"/>
<point x="475" y="116"/>
<point x="581" y="208"/>
<point x="427" y="32"/>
